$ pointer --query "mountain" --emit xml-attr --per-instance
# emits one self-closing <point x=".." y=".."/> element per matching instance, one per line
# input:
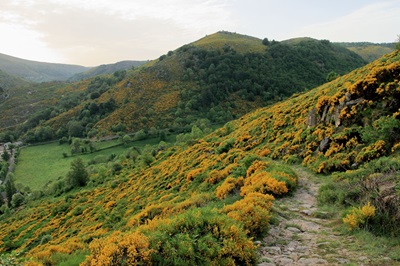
<point x="38" y="71"/>
<point x="105" y="69"/>
<point x="210" y="81"/>
<point x="203" y="202"/>
<point x="369" y="51"/>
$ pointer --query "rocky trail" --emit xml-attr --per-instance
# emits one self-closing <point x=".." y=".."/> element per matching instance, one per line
<point x="304" y="235"/>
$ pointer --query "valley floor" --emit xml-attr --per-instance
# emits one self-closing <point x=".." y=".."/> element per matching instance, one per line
<point x="304" y="235"/>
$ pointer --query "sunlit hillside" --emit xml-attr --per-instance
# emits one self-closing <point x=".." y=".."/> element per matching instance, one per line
<point x="205" y="200"/>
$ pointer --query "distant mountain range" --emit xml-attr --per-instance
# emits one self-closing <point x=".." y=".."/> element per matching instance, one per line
<point x="45" y="72"/>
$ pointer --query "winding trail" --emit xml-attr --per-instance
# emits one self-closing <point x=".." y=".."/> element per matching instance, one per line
<point x="303" y="235"/>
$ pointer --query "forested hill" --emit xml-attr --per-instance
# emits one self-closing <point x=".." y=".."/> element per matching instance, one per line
<point x="213" y="80"/>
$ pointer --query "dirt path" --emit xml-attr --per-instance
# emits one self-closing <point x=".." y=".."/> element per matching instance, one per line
<point x="303" y="235"/>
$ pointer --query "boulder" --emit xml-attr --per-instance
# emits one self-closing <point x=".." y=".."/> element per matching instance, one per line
<point x="312" y="118"/>
<point x="324" y="145"/>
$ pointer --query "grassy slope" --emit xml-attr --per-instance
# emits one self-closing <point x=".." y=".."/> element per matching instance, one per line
<point x="240" y="43"/>
<point x="44" y="164"/>
<point x="191" y="177"/>
<point x="8" y="81"/>
<point x="369" y="51"/>
<point x="37" y="71"/>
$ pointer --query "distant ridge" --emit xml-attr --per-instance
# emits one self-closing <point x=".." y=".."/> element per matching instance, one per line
<point x="367" y="50"/>
<point x="38" y="71"/>
<point x="106" y="69"/>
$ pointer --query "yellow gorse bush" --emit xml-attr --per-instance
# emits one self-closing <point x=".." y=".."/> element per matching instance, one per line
<point x="359" y="216"/>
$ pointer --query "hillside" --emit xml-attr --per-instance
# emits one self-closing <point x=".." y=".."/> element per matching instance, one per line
<point x="105" y="69"/>
<point x="211" y="81"/>
<point x="25" y="105"/>
<point x="38" y="71"/>
<point x="8" y="81"/>
<point x="201" y="202"/>
<point x="369" y="51"/>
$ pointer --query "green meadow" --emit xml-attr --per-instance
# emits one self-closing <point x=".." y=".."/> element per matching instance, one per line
<point x="41" y="164"/>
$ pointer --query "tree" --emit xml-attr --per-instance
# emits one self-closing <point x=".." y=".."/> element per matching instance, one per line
<point x="75" y="129"/>
<point x="1" y="200"/>
<point x="76" y="145"/>
<point x="6" y="156"/>
<point x="265" y="42"/>
<point x="43" y="133"/>
<point x="17" y="200"/>
<point x="77" y="176"/>
<point x="140" y="135"/>
<point x="126" y="139"/>
<point x="332" y="76"/>
<point x="10" y="189"/>
<point x="398" y="42"/>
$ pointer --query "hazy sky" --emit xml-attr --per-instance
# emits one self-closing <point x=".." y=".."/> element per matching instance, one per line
<point x="93" y="32"/>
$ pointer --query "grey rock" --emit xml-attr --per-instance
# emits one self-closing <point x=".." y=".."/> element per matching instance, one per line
<point x="274" y="250"/>
<point x="284" y="261"/>
<point x="306" y="212"/>
<point x="266" y="264"/>
<point x="293" y="230"/>
<point x="312" y="261"/>
<point x="312" y="118"/>
<point x="324" y="114"/>
<point x="309" y="226"/>
<point x="324" y="145"/>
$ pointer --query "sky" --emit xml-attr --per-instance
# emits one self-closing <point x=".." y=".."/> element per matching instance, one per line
<point x="95" y="32"/>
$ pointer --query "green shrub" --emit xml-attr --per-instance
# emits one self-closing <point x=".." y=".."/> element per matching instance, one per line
<point x="226" y="145"/>
<point x="201" y="237"/>
<point x="45" y="239"/>
<point x="78" y="210"/>
<point x="17" y="200"/>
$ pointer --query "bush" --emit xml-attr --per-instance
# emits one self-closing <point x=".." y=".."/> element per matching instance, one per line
<point x="359" y="217"/>
<point x="131" y="248"/>
<point x="201" y="237"/>
<point x="17" y="200"/>
<point x="226" y="145"/>
<point x="253" y="211"/>
<point x="229" y="186"/>
<point x="78" y="210"/>
<point x="45" y="239"/>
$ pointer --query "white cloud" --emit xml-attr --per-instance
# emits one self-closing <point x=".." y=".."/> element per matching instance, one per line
<point x="93" y="32"/>
<point x="374" y="23"/>
<point x="104" y="31"/>
<point x="27" y="44"/>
